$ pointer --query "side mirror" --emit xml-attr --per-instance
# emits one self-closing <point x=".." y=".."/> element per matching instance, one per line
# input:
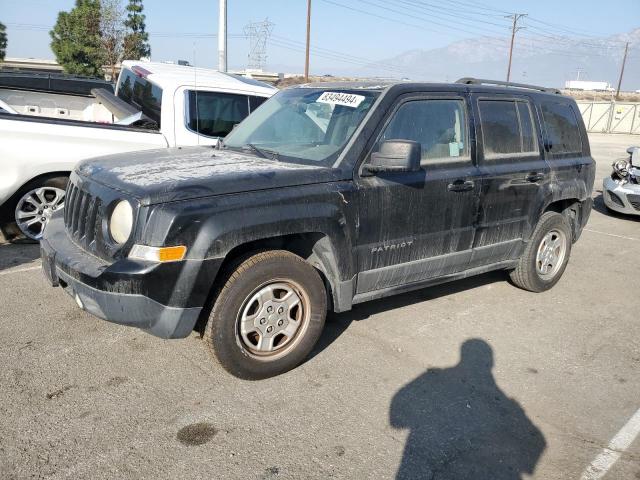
<point x="396" y="156"/>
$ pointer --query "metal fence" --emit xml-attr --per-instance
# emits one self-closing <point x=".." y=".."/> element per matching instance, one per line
<point x="611" y="117"/>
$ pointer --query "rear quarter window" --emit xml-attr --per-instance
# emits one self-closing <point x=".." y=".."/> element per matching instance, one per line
<point x="562" y="128"/>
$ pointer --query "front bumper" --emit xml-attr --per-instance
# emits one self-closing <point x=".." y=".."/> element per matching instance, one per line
<point x="165" y="300"/>
<point x="621" y="198"/>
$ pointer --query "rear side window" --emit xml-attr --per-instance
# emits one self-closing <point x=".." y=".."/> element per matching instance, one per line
<point x="439" y="126"/>
<point x="142" y="94"/>
<point x="507" y="128"/>
<point x="561" y="125"/>
<point x="214" y="114"/>
<point x="255" y="102"/>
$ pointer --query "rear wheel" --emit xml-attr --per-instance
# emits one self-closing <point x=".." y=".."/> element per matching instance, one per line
<point x="546" y="256"/>
<point x="36" y="203"/>
<point x="268" y="315"/>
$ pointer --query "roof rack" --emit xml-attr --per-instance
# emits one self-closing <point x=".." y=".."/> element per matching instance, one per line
<point x="480" y="81"/>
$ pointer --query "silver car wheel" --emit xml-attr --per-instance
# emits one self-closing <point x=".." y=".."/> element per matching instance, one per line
<point x="35" y="208"/>
<point x="272" y="317"/>
<point x="551" y="253"/>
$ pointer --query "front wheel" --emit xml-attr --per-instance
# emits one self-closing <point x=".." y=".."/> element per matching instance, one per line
<point x="37" y="202"/>
<point x="268" y="315"/>
<point x="546" y="256"/>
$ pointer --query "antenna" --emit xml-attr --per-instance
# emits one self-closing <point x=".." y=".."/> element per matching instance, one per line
<point x="258" y="33"/>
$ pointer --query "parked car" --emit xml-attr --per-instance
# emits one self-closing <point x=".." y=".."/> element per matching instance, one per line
<point x="329" y="195"/>
<point x="155" y="105"/>
<point x="621" y="190"/>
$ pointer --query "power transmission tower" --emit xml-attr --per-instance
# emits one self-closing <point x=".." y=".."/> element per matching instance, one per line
<point x="258" y="33"/>
<point x="515" y="28"/>
<point x="624" y="61"/>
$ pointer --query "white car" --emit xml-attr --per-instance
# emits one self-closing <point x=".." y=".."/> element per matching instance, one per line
<point x="621" y="190"/>
<point x="44" y="134"/>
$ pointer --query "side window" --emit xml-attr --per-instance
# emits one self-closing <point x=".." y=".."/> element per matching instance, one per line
<point x="562" y="129"/>
<point x="439" y="126"/>
<point x="214" y="114"/>
<point x="255" y="102"/>
<point x="507" y="128"/>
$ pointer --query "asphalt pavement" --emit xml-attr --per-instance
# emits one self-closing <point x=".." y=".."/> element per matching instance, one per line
<point x="469" y="380"/>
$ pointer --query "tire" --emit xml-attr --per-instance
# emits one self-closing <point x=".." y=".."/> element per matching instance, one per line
<point x="540" y="253"/>
<point x="22" y="205"/>
<point x="273" y="291"/>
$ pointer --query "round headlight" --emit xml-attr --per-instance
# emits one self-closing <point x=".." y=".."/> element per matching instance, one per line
<point x="621" y="167"/>
<point x="121" y="222"/>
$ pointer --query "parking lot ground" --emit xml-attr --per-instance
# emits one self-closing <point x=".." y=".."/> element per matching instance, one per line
<point x="474" y="379"/>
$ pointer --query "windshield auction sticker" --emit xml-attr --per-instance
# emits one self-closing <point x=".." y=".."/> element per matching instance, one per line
<point x="340" y="98"/>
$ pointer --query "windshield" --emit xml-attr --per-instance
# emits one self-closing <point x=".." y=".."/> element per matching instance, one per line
<point x="303" y="124"/>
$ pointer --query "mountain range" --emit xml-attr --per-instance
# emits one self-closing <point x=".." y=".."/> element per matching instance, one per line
<point x="545" y="60"/>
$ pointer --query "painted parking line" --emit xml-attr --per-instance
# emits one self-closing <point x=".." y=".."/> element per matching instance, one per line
<point x="610" y="234"/>
<point x="610" y="455"/>
<point x="19" y="270"/>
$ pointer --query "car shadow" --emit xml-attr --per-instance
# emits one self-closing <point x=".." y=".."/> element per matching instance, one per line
<point x="17" y="253"/>
<point x="462" y="425"/>
<point x="338" y="323"/>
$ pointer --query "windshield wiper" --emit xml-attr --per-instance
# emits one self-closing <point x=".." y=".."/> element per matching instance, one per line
<point x="262" y="152"/>
<point x="255" y="149"/>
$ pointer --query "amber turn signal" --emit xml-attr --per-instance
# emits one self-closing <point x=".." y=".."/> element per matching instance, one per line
<point x="158" y="254"/>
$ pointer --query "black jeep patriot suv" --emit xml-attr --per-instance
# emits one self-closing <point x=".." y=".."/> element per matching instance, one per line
<point x="327" y="196"/>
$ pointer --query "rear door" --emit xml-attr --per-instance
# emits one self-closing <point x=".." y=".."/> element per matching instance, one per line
<point x="419" y="225"/>
<point x="567" y="152"/>
<point x="513" y="171"/>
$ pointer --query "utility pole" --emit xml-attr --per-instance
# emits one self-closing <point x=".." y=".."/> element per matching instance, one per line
<point x="624" y="61"/>
<point x="306" y="61"/>
<point x="515" y="28"/>
<point x="222" y="36"/>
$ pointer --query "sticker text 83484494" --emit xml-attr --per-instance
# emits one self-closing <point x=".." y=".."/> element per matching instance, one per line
<point x="341" y="98"/>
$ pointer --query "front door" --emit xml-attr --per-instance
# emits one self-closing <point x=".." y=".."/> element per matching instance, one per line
<point x="419" y="225"/>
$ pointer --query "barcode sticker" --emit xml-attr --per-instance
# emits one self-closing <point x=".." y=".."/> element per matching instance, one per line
<point x="340" y="98"/>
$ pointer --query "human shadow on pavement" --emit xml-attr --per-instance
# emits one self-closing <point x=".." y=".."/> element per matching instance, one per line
<point x="462" y="426"/>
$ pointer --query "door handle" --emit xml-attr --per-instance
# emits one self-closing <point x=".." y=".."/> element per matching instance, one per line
<point x="461" y="186"/>
<point x="534" y="177"/>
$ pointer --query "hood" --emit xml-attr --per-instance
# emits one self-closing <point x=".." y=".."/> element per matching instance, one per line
<point x="157" y="176"/>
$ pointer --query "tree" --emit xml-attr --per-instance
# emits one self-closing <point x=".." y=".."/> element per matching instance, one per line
<point x="136" y="42"/>
<point x="112" y="33"/>
<point x="3" y="41"/>
<point x="76" y="41"/>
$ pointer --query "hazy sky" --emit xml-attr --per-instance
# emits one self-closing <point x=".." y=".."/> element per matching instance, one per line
<point x="349" y="32"/>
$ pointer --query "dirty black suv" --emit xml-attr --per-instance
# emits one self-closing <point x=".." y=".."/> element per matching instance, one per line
<point x="327" y="196"/>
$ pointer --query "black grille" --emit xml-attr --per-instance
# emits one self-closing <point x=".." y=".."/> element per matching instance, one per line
<point x="634" y="200"/>
<point x="82" y="216"/>
<point x="615" y="198"/>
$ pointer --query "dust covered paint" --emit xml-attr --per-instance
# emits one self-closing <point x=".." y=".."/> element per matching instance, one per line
<point x="177" y="174"/>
